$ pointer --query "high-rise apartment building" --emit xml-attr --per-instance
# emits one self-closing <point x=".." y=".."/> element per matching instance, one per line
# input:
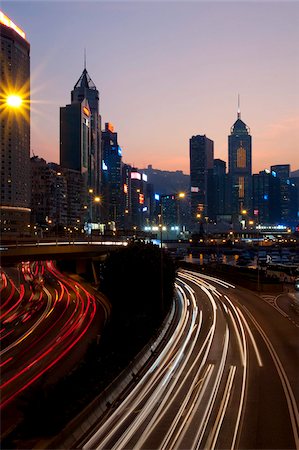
<point x="15" y="128"/>
<point x="201" y="160"/>
<point x="240" y="167"/>
<point x="48" y="195"/>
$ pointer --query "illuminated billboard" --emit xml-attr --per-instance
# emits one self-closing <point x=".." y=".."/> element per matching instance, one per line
<point x="135" y="176"/>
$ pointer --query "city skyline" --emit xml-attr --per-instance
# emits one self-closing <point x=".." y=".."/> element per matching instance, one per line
<point x="164" y="75"/>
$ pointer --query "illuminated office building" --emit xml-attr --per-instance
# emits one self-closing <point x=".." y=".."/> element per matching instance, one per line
<point x="239" y="167"/>
<point x="15" y="128"/>
<point x="85" y="89"/>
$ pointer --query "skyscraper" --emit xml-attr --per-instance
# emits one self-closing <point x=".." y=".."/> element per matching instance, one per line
<point x="112" y="177"/>
<point x="86" y="89"/>
<point x="80" y="140"/>
<point x="239" y="166"/>
<point x="201" y="160"/>
<point x="217" y="190"/>
<point x="15" y="128"/>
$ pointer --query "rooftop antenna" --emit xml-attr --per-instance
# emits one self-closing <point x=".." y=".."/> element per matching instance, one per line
<point x="239" y="111"/>
<point x="84" y="58"/>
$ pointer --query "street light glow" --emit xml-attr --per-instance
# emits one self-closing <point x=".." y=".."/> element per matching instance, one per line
<point x="14" y="101"/>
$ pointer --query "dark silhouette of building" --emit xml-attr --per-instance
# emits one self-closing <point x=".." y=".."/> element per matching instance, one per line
<point x="75" y="134"/>
<point x="239" y="167"/>
<point x="48" y="195"/>
<point x="167" y="182"/>
<point x="15" y="129"/>
<point x="218" y="191"/>
<point x="288" y="193"/>
<point x="266" y="197"/>
<point x="201" y="160"/>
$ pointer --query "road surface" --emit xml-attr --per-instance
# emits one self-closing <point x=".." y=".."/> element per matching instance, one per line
<point x="228" y="378"/>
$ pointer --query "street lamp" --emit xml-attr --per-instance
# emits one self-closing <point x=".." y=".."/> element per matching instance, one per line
<point x="14" y="101"/>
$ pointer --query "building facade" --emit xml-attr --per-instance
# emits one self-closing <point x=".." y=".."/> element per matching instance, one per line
<point x="15" y="128"/>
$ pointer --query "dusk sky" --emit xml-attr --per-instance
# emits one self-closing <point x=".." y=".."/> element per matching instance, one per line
<point x="166" y="71"/>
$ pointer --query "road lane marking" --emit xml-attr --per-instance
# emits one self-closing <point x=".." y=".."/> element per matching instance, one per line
<point x="212" y="439"/>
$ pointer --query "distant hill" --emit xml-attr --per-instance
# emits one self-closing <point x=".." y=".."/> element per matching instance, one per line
<point x="166" y="182"/>
<point x="295" y="174"/>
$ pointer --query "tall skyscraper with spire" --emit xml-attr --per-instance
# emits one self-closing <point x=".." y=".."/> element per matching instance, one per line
<point x="80" y="139"/>
<point x="86" y="89"/>
<point x="240" y="166"/>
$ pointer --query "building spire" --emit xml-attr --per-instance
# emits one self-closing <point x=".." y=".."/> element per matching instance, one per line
<point x="84" y="58"/>
<point x="239" y="111"/>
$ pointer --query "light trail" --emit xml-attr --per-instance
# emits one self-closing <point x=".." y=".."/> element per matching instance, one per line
<point x="212" y="439"/>
<point x="258" y="356"/>
<point x="70" y="332"/>
<point x="290" y="398"/>
<point x="130" y="403"/>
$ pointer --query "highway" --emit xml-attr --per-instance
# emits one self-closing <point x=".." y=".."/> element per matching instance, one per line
<point x="41" y="323"/>
<point x="226" y="379"/>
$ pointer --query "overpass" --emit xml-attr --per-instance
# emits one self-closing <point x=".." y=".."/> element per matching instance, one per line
<point x="13" y="254"/>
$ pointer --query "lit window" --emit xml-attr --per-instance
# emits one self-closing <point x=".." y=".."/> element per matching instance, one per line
<point x="241" y="158"/>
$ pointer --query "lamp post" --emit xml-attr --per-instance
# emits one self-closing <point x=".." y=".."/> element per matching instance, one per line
<point x="257" y="226"/>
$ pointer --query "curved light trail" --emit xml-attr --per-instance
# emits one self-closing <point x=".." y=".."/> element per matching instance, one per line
<point x="201" y="391"/>
<point x="53" y="321"/>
